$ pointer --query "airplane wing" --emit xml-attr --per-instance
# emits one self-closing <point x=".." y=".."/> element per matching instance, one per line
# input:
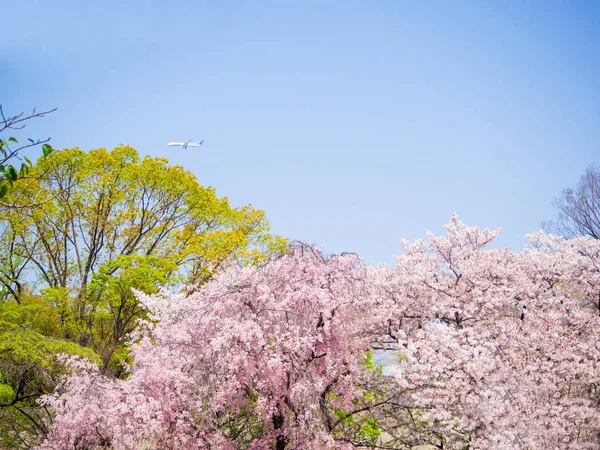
<point x="176" y="144"/>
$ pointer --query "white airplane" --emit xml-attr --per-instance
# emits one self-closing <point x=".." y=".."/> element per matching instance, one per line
<point x="187" y="144"/>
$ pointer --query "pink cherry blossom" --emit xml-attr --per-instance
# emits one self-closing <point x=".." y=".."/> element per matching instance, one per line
<point x="256" y="359"/>
<point x="483" y="349"/>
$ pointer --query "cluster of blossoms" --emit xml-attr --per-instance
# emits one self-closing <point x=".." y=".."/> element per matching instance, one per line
<point x="499" y="348"/>
<point x="485" y="349"/>
<point x="256" y="359"/>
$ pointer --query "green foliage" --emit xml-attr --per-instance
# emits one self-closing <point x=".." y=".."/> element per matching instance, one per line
<point x="370" y="429"/>
<point x="8" y="172"/>
<point x="110" y="223"/>
<point x="7" y="394"/>
<point x="360" y="426"/>
<point x="46" y="149"/>
<point x="34" y="312"/>
<point x="22" y="346"/>
<point x="244" y="425"/>
<point x="116" y="222"/>
<point x="370" y="363"/>
<point x="31" y="364"/>
<point x="113" y="308"/>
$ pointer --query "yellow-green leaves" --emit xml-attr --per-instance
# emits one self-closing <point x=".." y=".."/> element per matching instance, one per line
<point x="105" y="204"/>
<point x="110" y="222"/>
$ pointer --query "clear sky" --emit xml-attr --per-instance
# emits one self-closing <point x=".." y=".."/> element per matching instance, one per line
<point x="352" y="124"/>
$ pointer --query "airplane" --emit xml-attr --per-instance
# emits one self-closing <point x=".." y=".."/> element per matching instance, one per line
<point x="185" y="145"/>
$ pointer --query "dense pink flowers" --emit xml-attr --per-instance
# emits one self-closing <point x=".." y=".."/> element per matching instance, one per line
<point x="486" y="349"/>
<point x="256" y="359"/>
<point x="501" y="348"/>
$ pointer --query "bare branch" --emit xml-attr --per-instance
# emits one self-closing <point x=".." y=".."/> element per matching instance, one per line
<point x="579" y="208"/>
<point x="16" y="122"/>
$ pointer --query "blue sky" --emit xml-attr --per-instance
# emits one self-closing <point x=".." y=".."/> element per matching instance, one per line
<point x="352" y="124"/>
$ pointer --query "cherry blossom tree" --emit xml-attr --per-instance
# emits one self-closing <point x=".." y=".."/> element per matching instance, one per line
<point x="500" y="347"/>
<point x="485" y="349"/>
<point x="269" y="358"/>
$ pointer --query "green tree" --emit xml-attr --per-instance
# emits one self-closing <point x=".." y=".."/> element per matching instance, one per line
<point x="32" y="360"/>
<point x="114" y="222"/>
<point x="111" y="223"/>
